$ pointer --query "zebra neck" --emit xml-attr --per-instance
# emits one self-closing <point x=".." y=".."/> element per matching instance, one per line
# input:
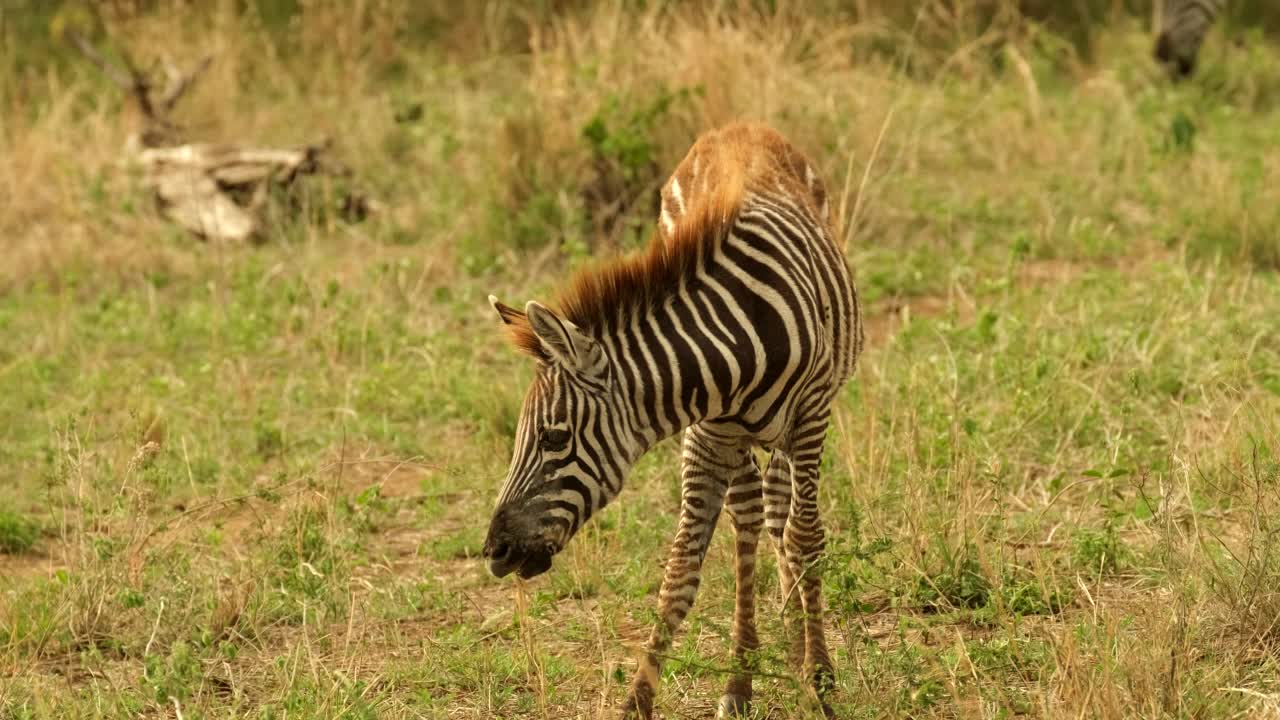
<point x="665" y="360"/>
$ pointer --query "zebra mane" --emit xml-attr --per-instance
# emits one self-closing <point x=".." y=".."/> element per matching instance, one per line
<point x="601" y="295"/>
<point x="708" y="189"/>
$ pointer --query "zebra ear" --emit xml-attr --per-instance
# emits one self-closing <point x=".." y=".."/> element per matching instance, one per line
<point x="566" y="344"/>
<point x="509" y="315"/>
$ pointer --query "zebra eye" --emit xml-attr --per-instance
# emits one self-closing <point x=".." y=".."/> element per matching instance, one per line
<point x="553" y="439"/>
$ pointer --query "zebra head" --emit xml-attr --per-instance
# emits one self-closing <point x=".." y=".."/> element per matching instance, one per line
<point x="570" y="452"/>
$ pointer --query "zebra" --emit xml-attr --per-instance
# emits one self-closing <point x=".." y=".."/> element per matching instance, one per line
<point x="738" y="326"/>
<point x="1183" y="27"/>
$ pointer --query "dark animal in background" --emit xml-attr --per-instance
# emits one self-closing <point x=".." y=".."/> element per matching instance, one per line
<point x="1183" y="27"/>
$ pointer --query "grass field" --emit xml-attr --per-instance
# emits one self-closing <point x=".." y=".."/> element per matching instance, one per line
<point x="254" y="481"/>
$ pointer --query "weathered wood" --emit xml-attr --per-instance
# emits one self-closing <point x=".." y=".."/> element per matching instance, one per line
<point x="197" y="184"/>
<point x="193" y="200"/>
<point x="215" y="191"/>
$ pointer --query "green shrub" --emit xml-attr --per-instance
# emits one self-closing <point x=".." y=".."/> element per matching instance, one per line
<point x="17" y="533"/>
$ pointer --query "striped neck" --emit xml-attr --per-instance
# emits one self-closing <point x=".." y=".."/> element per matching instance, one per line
<point x="662" y="375"/>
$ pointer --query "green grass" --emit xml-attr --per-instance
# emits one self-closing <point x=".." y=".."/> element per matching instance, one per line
<point x="254" y="481"/>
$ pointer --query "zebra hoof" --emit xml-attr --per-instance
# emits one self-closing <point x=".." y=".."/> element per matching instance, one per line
<point x="733" y="707"/>
<point x="637" y="707"/>
<point x="824" y="682"/>
<point x="631" y="712"/>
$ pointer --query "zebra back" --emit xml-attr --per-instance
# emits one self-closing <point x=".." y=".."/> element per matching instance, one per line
<point x="740" y="157"/>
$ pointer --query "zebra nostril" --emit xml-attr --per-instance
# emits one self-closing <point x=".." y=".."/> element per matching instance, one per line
<point x="504" y="558"/>
<point x="501" y="552"/>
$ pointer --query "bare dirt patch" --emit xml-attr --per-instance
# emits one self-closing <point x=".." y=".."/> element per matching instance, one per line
<point x="886" y="318"/>
<point x="43" y="560"/>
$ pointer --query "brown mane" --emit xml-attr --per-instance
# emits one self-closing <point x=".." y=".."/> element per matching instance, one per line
<point x="713" y="178"/>
<point x="595" y="294"/>
<point x="522" y="337"/>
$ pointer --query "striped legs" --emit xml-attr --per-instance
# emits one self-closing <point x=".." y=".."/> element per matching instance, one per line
<point x="746" y="509"/>
<point x="719" y="474"/>
<point x="777" y="507"/>
<point x="791" y="517"/>
<point x="708" y="466"/>
<point x="803" y="540"/>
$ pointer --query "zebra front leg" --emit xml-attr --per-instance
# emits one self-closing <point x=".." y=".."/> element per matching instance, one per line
<point x="804" y="540"/>
<point x="705" y="470"/>
<point x="746" y="509"/>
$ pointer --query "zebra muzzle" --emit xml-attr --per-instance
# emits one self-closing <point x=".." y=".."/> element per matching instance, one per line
<point x="509" y="558"/>
<point x="516" y="545"/>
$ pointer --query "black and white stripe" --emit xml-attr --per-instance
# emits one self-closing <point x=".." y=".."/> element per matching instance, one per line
<point x="746" y="348"/>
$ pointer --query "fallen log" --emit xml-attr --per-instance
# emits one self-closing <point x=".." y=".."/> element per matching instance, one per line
<point x="218" y="192"/>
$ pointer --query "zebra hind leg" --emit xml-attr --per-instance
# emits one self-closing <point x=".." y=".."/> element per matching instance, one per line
<point x="804" y="540"/>
<point x="777" y="506"/>
<point x="708" y="465"/>
<point x="746" y="509"/>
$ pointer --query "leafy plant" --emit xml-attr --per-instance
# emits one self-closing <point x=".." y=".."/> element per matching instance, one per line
<point x="1182" y="133"/>
<point x="958" y="583"/>
<point x="1031" y="596"/>
<point x="1100" y="551"/>
<point x="624" y="156"/>
<point x="176" y="675"/>
<point x="17" y="533"/>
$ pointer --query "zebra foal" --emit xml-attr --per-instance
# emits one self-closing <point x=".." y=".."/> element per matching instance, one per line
<point x="738" y="326"/>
